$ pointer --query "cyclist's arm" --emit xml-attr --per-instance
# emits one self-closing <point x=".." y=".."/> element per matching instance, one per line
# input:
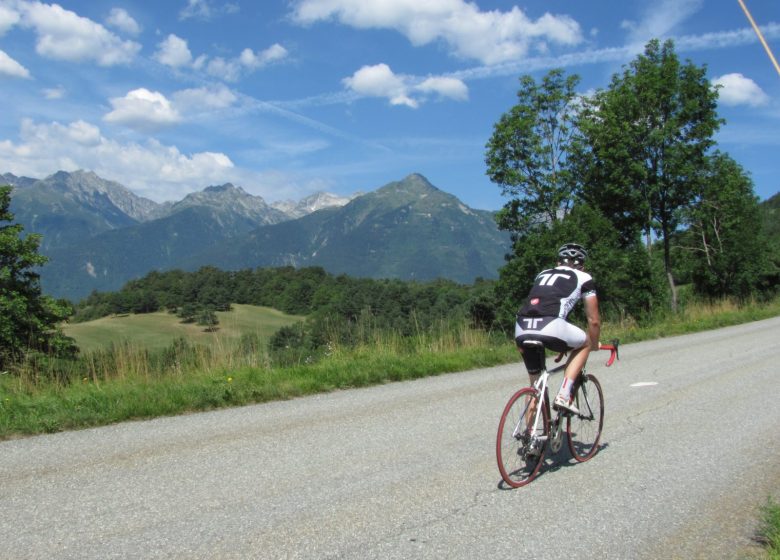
<point x="594" y="321"/>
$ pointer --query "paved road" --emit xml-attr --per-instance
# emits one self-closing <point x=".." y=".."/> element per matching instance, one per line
<point x="407" y="470"/>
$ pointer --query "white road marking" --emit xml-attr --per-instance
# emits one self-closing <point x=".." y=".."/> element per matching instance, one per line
<point x="645" y="384"/>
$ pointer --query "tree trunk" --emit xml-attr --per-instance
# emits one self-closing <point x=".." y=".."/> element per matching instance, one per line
<point x="668" y="266"/>
<point x="673" y="289"/>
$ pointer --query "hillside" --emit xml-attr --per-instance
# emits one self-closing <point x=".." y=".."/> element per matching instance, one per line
<point x="407" y="229"/>
<point x="67" y="208"/>
<point x="106" y="261"/>
<point x="98" y="235"/>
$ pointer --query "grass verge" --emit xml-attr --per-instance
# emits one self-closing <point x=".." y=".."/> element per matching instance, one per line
<point x="769" y="529"/>
<point x="32" y="407"/>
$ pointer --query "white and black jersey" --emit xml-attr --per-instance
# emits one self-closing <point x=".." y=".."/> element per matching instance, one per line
<point x="556" y="291"/>
<point x="543" y="316"/>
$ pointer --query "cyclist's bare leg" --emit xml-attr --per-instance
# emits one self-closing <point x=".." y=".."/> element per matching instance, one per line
<point x="530" y="414"/>
<point x="576" y="362"/>
<point x="574" y="365"/>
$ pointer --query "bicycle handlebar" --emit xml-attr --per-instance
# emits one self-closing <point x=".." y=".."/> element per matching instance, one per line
<point x="613" y="351"/>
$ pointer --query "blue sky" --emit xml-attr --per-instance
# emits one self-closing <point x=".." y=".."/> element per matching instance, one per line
<point x="285" y="98"/>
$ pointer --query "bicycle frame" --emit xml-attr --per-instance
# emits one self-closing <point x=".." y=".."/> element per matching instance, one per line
<point x="541" y="385"/>
<point x="527" y="428"/>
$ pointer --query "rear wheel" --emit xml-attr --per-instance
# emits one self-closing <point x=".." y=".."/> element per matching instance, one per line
<point x="584" y="429"/>
<point x="519" y="454"/>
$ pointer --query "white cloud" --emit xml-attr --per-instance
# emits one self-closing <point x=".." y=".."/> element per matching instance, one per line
<point x="83" y="133"/>
<point x="173" y="51"/>
<point x="736" y="89"/>
<point x="123" y="21"/>
<point x="64" y="35"/>
<point x="446" y="87"/>
<point x="10" y="67"/>
<point x="142" y="109"/>
<point x="154" y="170"/>
<point x="231" y="70"/>
<point x="205" y="10"/>
<point x="198" y="9"/>
<point x="214" y="97"/>
<point x="380" y="81"/>
<point x="8" y="18"/>
<point x="253" y="60"/>
<point x="491" y="37"/>
<point x="660" y="19"/>
<point x="54" y="93"/>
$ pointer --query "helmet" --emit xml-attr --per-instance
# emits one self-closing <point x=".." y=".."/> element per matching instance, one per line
<point x="572" y="253"/>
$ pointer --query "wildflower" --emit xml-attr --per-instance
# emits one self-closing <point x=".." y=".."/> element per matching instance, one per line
<point x="230" y="380"/>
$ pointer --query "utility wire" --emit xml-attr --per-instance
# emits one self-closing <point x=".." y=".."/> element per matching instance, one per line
<point x="760" y="36"/>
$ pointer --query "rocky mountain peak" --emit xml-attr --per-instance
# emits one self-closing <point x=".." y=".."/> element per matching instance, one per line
<point x="311" y="203"/>
<point x="89" y="189"/>
<point x="227" y="187"/>
<point x="231" y="199"/>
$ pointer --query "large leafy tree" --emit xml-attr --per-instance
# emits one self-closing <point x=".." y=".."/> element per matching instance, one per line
<point x="729" y="253"/>
<point x="645" y="142"/>
<point x="533" y="155"/>
<point x="28" y="319"/>
<point x="527" y="154"/>
<point x="623" y="275"/>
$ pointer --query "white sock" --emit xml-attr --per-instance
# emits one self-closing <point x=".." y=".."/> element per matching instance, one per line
<point x="565" y="391"/>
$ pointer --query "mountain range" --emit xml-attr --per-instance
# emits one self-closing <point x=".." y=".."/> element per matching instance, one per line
<point x="98" y="234"/>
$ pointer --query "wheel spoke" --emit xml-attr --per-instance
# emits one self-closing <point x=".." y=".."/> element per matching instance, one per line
<point x="585" y="428"/>
<point x="519" y="454"/>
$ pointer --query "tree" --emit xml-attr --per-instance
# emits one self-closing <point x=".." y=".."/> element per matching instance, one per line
<point x="645" y="143"/>
<point x="527" y="155"/>
<point x="28" y="319"/>
<point x="730" y="254"/>
<point x="623" y="275"/>
<point x="207" y="317"/>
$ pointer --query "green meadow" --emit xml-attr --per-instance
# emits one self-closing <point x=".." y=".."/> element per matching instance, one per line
<point x="156" y="331"/>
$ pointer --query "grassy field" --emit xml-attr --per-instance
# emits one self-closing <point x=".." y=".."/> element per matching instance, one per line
<point x="130" y="381"/>
<point x="156" y="331"/>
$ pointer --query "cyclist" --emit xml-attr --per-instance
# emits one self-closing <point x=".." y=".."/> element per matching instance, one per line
<point x="543" y="317"/>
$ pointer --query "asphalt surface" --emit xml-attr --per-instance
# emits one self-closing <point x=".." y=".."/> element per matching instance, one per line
<point x="408" y="470"/>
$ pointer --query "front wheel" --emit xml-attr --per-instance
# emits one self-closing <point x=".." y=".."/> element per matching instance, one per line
<point x="520" y="451"/>
<point x="584" y="429"/>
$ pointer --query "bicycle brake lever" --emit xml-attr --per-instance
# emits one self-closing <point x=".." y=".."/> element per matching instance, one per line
<point x="613" y="352"/>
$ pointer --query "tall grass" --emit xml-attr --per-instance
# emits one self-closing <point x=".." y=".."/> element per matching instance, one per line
<point x="127" y="381"/>
<point x="769" y="529"/>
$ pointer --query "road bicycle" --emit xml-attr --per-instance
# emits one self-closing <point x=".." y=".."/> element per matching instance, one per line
<point x="525" y="431"/>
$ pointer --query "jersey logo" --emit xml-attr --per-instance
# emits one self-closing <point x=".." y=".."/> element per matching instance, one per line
<point x="532" y="323"/>
<point x="549" y="279"/>
<point x="535" y="301"/>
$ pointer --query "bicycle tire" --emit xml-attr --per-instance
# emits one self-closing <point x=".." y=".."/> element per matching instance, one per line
<point x="516" y="465"/>
<point x="584" y="429"/>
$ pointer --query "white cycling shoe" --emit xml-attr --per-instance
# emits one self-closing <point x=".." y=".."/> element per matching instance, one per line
<point x="562" y="403"/>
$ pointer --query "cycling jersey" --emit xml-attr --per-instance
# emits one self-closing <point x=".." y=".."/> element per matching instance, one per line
<point x="543" y="316"/>
<point x="556" y="291"/>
